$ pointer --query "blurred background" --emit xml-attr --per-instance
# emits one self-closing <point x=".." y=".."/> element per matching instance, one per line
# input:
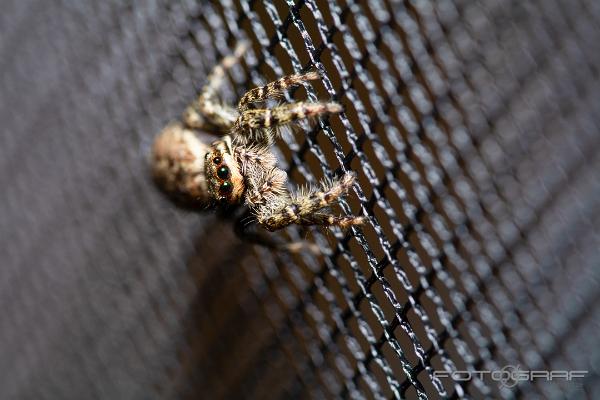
<point x="473" y="127"/>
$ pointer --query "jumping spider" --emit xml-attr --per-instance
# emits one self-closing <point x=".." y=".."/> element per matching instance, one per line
<point x="239" y="167"/>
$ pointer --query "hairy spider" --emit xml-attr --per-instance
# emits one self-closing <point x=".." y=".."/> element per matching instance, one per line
<point x="239" y="167"/>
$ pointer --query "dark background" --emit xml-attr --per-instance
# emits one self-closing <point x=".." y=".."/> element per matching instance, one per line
<point x="473" y="127"/>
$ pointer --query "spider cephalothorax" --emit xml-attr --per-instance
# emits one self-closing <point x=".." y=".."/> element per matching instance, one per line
<point x="239" y="167"/>
<point x="225" y="181"/>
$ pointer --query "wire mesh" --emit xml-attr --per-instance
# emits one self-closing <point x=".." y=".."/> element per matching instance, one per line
<point x="473" y="127"/>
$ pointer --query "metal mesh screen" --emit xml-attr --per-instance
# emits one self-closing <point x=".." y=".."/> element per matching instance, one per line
<point x="473" y="127"/>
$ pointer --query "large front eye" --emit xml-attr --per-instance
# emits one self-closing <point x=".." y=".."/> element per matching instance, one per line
<point x="226" y="187"/>
<point x="217" y="160"/>
<point x="223" y="172"/>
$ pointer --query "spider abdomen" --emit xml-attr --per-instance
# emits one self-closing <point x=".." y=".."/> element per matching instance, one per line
<point x="178" y="165"/>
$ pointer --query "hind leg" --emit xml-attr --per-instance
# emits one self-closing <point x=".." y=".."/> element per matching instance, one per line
<point x="207" y="112"/>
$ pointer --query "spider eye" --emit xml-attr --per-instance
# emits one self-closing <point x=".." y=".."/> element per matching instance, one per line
<point x="226" y="187"/>
<point x="217" y="160"/>
<point x="223" y="172"/>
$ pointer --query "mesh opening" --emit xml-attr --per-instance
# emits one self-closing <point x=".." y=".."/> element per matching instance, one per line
<point x="473" y="127"/>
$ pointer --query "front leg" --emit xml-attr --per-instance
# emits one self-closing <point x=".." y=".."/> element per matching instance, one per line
<point x="304" y="209"/>
<point x="274" y="89"/>
<point x="258" y="125"/>
<point x="284" y="114"/>
<point x="245" y="229"/>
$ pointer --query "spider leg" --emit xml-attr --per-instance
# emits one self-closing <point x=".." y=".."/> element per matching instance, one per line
<point x="244" y="229"/>
<point x="259" y="124"/>
<point x="207" y="112"/>
<point x="274" y="89"/>
<point x="303" y="209"/>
